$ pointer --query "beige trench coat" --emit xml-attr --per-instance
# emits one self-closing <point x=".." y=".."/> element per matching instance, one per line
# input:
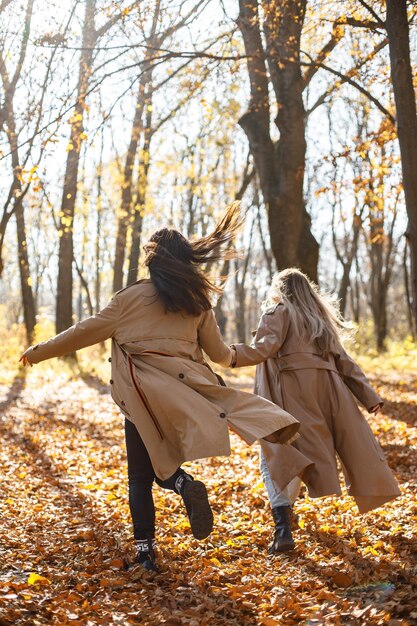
<point x="318" y="392"/>
<point x="161" y="382"/>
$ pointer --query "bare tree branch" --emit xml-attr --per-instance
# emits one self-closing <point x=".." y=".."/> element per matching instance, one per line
<point x="113" y="20"/>
<point x="351" y="21"/>
<point x="169" y="31"/>
<point x="4" y="4"/>
<point x="25" y="39"/>
<point x="321" y="99"/>
<point x="336" y="36"/>
<point x="353" y="83"/>
<point x="372" y="12"/>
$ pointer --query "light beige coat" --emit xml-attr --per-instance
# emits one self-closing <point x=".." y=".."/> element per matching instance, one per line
<point x="162" y="383"/>
<point x="318" y="390"/>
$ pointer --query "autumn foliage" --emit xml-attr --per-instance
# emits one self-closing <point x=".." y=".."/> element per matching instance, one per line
<point x="66" y="546"/>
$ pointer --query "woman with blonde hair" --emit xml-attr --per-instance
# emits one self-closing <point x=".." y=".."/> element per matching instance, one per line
<point x="175" y="408"/>
<point x="303" y="368"/>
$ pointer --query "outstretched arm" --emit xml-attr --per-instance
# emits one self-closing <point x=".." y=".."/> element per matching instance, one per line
<point x="355" y="379"/>
<point x="268" y="339"/>
<point x="92" y="330"/>
<point x="211" y="340"/>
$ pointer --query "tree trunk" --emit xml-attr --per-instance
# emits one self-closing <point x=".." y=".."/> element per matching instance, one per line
<point x="381" y="235"/>
<point x="17" y="193"/>
<point x="378" y="293"/>
<point x="241" y="273"/>
<point x="290" y="222"/>
<point x="280" y="167"/>
<point x="405" y="103"/>
<point x="407" y="293"/>
<point x="142" y="185"/>
<point x="221" y="317"/>
<point x="343" y="288"/>
<point x="355" y="293"/>
<point x="126" y="200"/>
<point x="29" y="310"/>
<point x="347" y="261"/>
<point x="97" y="287"/>
<point x="64" y="307"/>
<point x="240" y="296"/>
<point x="126" y="207"/>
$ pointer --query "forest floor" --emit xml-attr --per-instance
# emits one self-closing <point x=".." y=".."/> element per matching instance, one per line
<point x="65" y="545"/>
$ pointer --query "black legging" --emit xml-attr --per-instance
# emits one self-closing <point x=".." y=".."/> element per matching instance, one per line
<point x="141" y="476"/>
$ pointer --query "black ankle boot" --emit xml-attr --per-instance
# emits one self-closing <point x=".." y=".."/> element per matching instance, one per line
<point x="145" y="554"/>
<point x="283" y="540"/>
<point x="194" y="494"/>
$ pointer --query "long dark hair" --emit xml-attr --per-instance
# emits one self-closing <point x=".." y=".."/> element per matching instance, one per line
<point x="177" y="266"/>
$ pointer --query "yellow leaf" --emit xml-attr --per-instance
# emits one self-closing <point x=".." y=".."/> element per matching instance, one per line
<point x="258" y="487"/>
<point x="34" y="578"/>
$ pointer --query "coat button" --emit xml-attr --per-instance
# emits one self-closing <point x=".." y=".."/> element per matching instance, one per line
<point x="181" y="375"/>
<point x="111" y="381"/>
<point x="109" y="359"/>
<point x="222" y="414"/>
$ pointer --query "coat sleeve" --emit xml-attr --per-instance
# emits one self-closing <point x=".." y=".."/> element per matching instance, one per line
<point x="355" y="379"/>
<point x="92" y="330"/>
<point x="268" y="339"/>
<point x="211" y="340"/>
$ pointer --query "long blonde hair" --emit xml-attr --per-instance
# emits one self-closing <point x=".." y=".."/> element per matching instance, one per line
<point x="315" y="315"/>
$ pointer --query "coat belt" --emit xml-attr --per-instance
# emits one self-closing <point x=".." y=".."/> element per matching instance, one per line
<point x="304" y="360"/>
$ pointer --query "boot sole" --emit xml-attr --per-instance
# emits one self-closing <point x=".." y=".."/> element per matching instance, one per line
<point x="198" y="509"/>
<point x="286" y="547"/>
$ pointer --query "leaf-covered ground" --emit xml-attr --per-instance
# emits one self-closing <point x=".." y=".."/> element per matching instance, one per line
<point x="65" y="544"/>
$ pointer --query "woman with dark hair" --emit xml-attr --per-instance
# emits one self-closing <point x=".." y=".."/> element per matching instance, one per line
<point x="175" y="408"/>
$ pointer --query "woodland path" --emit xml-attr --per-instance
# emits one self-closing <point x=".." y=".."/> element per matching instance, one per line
<point x="66" y="537"/>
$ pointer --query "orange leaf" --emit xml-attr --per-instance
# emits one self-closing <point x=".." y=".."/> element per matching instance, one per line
<point x="117" y="563"/>
<point x="341" y="579"/>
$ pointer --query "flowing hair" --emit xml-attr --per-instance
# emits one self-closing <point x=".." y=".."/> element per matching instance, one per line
<point x="315" y="315"/>
<point x="177" y="266"/>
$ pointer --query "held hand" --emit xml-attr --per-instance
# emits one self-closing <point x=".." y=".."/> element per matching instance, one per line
<point x="25" y="361"/>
